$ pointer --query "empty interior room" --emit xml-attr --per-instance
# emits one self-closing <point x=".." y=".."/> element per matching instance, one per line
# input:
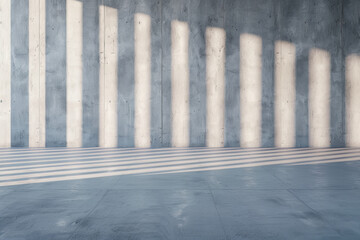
<point x="179" y="119"/>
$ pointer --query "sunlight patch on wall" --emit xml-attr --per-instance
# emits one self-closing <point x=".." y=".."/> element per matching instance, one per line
<point x="108" y="79"/>
<point x="74" y="40"/>
<point x="142" y="37"/>
<point x="319" y="98"/>
<point x="250" y="90"/>
<point x="180" y="83"/>
<point x="285" y="55"/>
<point x="215" y="86"/>
<point x="37" y="36"/>
<point x="352" y="75"/>
<point x="5" y="73"/>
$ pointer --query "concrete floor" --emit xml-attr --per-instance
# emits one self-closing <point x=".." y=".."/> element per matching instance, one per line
<point x="196" y="193"/>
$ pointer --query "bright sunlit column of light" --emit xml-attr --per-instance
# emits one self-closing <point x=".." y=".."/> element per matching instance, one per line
<point x="37" y="36"/>
<point x="215" y="86"/>
<point x="142" y="37"/>
<point x="5" y="73"/>
<point x="250" y="90"/>
<point x="74" y="38"/>
<point x="285" y="55"/>
<point x="352" y="75"/>
<point x="180" y="83"/>
<point x="319" y="98"/>
<point x="108" y="82"/>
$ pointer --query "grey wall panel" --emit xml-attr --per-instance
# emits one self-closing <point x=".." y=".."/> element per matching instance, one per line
<point x="267" y="19"/>
<point x="126" y="73"/>
<point x="351" y="27"/>
<point x="351" y="69"/>
<point x="90" y="73"/>
<point x="19" y="73"/>
<point x="234" y="26"/>
<point x="55" y="73"/>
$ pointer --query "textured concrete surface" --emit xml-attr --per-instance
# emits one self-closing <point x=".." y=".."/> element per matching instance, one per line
<point x="351" y="49"/>
<point x="37" y="76"/>
<point x="19" y="73"/>
<point x="90" y="94"/>
<point x="319" y="41"/>
<point x="74" y="103"/>
<point x="55" y="73"/>
<point x="188" y="193"/>
<point x="5" y="71"/>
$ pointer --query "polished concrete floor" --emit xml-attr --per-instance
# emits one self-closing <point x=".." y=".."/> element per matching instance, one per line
<point x="196" y="193"/>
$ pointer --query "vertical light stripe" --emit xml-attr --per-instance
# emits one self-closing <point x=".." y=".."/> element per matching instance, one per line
<point x="74" y="38"/>
<point x="108" y="84"/>
<point x="34" y="73"/>
<point x="5" y="73"/>
<point x="102" y="76"/>
<point x="250" y="90"/>
<point x="319" y="98"/>
<point x="37" y="73"/>
<point x="142" y="37"/>
<point x="180" y="83"/>
<point x="285" y="55"/>
<point x="215" y="86"/>
<point x="352" y="75"/>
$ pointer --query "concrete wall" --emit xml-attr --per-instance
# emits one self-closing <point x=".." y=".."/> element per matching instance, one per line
<point x="162" y="73"/>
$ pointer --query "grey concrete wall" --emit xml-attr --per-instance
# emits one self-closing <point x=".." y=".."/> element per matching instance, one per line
<point x="90" y="80"/>
<point x="332" y="26"/>
<point x="55" y="73"/>
<point x="19" y="73"/>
